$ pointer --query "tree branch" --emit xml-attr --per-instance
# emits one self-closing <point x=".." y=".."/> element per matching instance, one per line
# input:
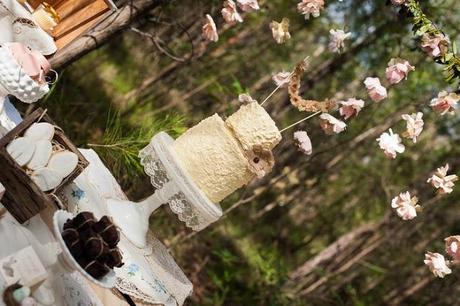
<point x="112" y="24"/>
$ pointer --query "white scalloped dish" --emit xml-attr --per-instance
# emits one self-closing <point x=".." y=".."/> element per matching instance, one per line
<point x="59" y="219"/>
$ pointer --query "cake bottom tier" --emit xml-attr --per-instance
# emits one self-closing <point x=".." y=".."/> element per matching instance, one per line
<point x="213" y="157"/>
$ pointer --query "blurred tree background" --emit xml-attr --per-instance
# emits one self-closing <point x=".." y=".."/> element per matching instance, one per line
<point x="318" y="230"/>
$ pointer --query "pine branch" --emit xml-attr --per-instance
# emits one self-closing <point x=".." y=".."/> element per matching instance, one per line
<point x="120" y="146"/>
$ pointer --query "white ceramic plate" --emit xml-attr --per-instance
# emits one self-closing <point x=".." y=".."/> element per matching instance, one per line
<point x="60" y="217"/>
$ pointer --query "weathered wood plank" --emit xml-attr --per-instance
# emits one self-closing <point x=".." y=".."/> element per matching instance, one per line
<point x="72" y="20"/>
<point x="23" y="199"/>
<point x="112" y="24"/>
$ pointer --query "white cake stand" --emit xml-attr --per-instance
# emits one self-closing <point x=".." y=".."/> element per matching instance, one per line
<point x="66" y="262"/>
<point x="174" y="187"/>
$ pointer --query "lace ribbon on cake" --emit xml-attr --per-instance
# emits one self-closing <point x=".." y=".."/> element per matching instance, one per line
<point x="189" y="204"/>
<point x="153" y="167"/>
<point x="185" y="212"/>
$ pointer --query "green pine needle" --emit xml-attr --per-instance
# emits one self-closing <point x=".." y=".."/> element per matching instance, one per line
<point x="120" y="145"/>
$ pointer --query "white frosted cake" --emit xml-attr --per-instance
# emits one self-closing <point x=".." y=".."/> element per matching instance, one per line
<point x="222" y="156"/>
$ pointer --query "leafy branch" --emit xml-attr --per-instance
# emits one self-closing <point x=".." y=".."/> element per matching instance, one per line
<point x="423" y="25"/>
<point x="120" y="146"/>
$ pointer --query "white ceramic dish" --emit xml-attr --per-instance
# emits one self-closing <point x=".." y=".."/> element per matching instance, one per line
<point x="66" y="258"/>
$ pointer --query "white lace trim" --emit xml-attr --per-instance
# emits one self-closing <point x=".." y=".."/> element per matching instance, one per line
<point x="189" y="203"/>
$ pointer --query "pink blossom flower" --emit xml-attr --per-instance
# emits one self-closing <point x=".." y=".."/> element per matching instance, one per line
<point x="453" y="247"/>
<point x="350" y="108"/>
<point x="414" y="125"/>
<point x="280" y="31"/>
<point x="246" y="99"/>
<point x="391" y="144"/>
<point x="303" y="142"/>
<point x="310" y="7"/>
<point x="435" y="45"/>
<point x="405" y="205"/>
<point x="397" y="70"/>
<point x="330" y="124"/>
<point x="375" y="90"/>
<point x="209" y="30"/>
<point x="398" y="2"/>
<point x="437" y="264"/>
<point x="441" y="181"/>
<point x="337" y="40"/>
<point x="230" y="13"/>
<point x="445" y="102"/>
<point x="282" y="78"/>
<point x="248" y="5"/>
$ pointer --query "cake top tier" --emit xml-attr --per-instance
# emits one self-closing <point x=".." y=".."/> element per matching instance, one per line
<point x="254" y="127"/>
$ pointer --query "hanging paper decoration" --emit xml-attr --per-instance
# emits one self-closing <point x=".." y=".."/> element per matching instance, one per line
<point x="210" y="30"/>
<point x="405" y="205"/>
<point x="443" y="182"/>
<point x="280" y="31"/>
<point x="391" y="144"/>
<point x="337" y="40"/>
<point x="414" y="125"/>
<point x="437" y="264"/>
<point x="303" y="104"/>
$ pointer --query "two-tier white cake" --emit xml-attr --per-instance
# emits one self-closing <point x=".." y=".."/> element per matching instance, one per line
<point x="218" y="154"/>
<point x="199" y="169"/>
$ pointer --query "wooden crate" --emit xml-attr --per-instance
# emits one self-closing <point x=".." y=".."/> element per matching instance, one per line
<point x="23" y="198"/>
<point x="77" y="17"/>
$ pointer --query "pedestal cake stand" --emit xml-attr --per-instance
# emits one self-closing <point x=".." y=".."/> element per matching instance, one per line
<point x="174" y="187"/>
